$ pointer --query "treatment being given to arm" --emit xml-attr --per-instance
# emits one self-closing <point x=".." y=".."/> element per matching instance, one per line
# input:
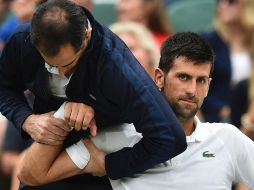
<point x="184" y="77"/>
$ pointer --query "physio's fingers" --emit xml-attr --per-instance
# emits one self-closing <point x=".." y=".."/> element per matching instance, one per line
<point x="57" y="126"/>
<point x="73" y="117"/>
<point x="88" y="117"/>
<point x="67" y="112"/>
<point x="79" y="115"/>
<point x="79" y="121"/>
<point x="61" y="124"/>
<point x="58" y="131"/>
<point x="93" y="128"/>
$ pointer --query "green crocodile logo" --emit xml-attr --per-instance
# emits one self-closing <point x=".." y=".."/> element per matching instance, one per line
<point x="206" y="154"/>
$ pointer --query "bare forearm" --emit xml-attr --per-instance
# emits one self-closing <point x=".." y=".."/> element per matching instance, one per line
<point x="43" y="164"/>
<point x="36" y="163"/>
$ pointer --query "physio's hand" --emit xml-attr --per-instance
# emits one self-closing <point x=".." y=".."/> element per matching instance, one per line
<point x="80" y="116"/>
<point x="96" y="164"/>
<point x="46" y="129"/>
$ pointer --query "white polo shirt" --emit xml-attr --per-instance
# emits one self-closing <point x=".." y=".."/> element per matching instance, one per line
<point x="217" y="155"/>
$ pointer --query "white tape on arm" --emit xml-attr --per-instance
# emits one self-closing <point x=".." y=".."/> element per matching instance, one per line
<point x="79" y="154"/>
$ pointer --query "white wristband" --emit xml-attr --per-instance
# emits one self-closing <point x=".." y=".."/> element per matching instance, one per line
<point x="79" y="154"/>
<point x="59" y="114"/>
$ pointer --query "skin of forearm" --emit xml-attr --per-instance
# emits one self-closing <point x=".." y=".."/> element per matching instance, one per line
<point x="95" y="166"/>
<point x="37" y="162"/>
<point x="43" y="164"/>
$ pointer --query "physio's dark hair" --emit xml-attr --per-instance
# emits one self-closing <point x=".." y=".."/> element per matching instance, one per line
<point x="186" y="44"/>
<point x="58" y="22"/>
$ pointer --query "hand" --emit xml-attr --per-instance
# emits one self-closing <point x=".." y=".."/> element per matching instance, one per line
<point x="46" y="129"/>
<point x="96" y="164"/>
<point x="80" y="116"/>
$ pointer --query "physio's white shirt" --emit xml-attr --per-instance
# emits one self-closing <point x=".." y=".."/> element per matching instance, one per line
<point x="57" y="84"/>
<point x="217" y="155"/>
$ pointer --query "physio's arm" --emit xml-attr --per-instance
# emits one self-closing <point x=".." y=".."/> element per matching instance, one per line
<point x="13" y="103"/>
<point x="139" y="101"/>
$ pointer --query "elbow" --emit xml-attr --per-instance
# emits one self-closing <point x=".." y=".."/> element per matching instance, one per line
<point x="26" y="177"/>
<point x="29" y="177"/>
<point x="28" y="173"/>
<point x="24" y="172"/>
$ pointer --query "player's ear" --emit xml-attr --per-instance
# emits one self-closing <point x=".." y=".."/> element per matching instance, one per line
<point x="207" y="90"/>
<point x="159" y="78"/>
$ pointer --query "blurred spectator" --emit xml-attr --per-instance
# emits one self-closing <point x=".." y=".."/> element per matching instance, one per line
<point x="151" y="13"/>
<point x="243" y="104"/>
<point x="141" y="42"/>
<point x="6" y="30"/>
<point x="22" y="11"/>
<point x="13" y="145"/>
<point x="4" y="10"/>
<point x="243" y="110"/>
<point x="4" y="15"/>
<point x="243" y="94"/>
<point x="233" y="45"/>
<point x="85" y="3"/>
<point x="230" y="41"/>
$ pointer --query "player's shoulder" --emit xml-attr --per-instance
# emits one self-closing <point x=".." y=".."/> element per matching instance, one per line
<point x="221" y="128"/>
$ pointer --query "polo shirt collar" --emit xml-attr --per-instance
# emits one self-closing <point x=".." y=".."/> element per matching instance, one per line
<point x="199" y="134"/>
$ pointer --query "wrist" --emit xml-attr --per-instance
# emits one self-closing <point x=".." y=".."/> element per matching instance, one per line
<point x="27" y="123"/>
<point x="247" y="123"/>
